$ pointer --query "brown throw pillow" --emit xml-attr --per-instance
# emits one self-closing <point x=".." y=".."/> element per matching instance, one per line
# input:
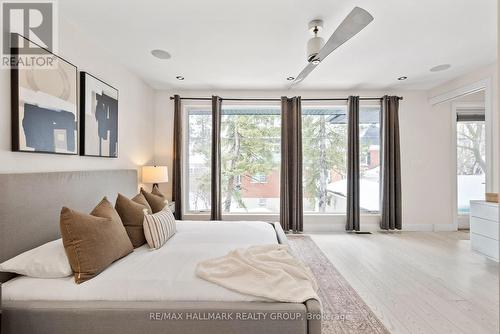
<point x="156" y="191"/>
<point x="132" y="214"/>
<point x="156" y="202"/>
<point x="92" y="242"/>
<point x="139" y="198"/>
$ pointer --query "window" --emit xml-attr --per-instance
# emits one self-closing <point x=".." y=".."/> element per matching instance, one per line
<point x="471" y="159"/>
<point x="369" y="157"/>
<point x="259" y="178"/>
<point x="251" y="156"/>
<point x="198" y="157"/>
<point x="324" y="156"/>
<point x="324" y="150"/>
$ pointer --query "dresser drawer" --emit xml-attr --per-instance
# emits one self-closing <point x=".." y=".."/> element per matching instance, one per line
<point x="484" y="245"/>
<point x="484" y="211"/>
<point x="484" y="227"/>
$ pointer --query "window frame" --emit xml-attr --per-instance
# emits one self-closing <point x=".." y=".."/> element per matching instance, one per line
<point x="258" y="179"/>
<point x="373" y="104"/>
<point x="311" y="104"/>
<point x="185" y="161"/>
<point x="462" y="220"/>
<point x="185" y="158"/>
<point x="251" y="104"/>
<point x="309" y="217"/>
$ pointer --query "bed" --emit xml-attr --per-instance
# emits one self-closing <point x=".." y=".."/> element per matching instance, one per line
<point x="135" y="294"/>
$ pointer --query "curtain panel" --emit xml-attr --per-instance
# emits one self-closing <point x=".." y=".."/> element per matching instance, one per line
<point x="352" y="222"/>
<point x="390" y="165"/>
<point x="291" y="208"/>
<point x="177" y="155"/>
<point x="216" y="197"/>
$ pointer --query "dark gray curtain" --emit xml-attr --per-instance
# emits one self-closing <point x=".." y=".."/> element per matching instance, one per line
<point x="352" y="223"/>
<point x="390" y="165"/>
<point x="291" y="209"/>
<point x="216" y="206"/>
<point x="177" y="166"/>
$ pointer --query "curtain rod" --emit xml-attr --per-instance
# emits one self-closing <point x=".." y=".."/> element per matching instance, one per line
<point x="271" y="99"/>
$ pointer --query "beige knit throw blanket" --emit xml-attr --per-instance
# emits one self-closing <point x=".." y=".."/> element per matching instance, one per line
<point x="268" y="271"/>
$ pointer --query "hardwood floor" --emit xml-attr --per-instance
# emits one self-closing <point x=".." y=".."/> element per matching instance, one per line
<point x="419" y="282"/>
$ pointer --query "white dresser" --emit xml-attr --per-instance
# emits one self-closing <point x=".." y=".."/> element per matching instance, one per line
<point x="484" y="228"/>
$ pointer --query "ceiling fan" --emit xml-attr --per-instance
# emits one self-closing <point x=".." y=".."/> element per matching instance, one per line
<point x="317" y="50"/>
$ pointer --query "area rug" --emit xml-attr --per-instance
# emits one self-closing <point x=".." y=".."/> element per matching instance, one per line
<point x="343" y="309"/>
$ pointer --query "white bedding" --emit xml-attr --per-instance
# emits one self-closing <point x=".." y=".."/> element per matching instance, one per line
<point x="165" y="274"/>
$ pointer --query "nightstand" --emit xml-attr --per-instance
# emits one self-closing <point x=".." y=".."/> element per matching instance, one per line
<point x="171" y="206"/>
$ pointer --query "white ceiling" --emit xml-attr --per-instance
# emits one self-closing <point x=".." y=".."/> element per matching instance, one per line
<point x="256" y="44"/>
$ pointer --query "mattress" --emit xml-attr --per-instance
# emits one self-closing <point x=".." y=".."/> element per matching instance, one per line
<point x="166" y="274"/>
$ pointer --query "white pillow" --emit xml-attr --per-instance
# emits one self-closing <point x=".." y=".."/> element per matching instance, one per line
<point x="47" y="261"/>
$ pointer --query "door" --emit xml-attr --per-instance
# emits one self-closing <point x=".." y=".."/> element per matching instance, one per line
<point x="471" y="161"/>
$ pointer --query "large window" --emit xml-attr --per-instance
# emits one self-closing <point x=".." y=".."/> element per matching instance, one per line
<point x="198" y="157"/>
<point x="324" y="156"/>
<point x="324" y="149"/>
<point x="251" y="156"/>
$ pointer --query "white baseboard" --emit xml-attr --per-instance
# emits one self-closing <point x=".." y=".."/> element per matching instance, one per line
<point x="445" y="228"/>
<point x="373" y="227"/>
<point x="418" y="227"/>
<point x="337" y="227"/>
<point x="429" y="227"/>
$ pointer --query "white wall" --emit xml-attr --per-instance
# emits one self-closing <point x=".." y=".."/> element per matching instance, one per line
<point x="425" y="154"/>
<point x="136" y="112"/>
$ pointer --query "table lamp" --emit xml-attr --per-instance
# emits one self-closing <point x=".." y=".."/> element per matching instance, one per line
<point x="154" y="175"/>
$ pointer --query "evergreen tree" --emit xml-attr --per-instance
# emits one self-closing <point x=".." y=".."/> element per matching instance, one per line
<point x="248" y="146"/>
<point x="324" y="147"/>
<point x="251" y="146"/>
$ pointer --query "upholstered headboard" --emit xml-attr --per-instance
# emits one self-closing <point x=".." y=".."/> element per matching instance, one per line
<point x="30" y="204"/>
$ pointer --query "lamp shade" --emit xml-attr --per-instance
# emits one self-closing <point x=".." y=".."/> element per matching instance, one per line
<point x="154" y="174"/>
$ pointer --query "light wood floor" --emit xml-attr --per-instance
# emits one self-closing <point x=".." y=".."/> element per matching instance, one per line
<point x="419" y="282"/>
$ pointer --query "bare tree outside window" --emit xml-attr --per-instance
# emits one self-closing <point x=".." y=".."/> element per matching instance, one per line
<point x="471" y="163"/>
<point x="251" y="158"/>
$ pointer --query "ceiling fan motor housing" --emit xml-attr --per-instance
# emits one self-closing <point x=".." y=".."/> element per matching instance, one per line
<point x="316" y="43"/>
<point x="313" y="46"/>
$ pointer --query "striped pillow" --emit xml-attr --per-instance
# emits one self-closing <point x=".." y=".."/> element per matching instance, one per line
<point x="159" y="227"/>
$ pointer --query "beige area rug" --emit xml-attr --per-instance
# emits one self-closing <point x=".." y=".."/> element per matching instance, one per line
<point x="343" y="309"/>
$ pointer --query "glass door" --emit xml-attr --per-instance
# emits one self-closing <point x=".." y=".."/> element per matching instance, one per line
<point x="471" y="159"/>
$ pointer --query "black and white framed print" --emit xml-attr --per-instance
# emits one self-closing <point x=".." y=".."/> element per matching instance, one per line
<point x="43" y="102"/>
<point x="98" y="117"/>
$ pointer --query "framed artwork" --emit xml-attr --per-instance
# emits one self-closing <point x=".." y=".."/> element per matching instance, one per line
<point x="98" y="117"/>
<point x="43" y="103"/>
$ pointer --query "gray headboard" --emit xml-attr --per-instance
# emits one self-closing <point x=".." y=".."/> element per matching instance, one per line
<point x="30" y="203"/>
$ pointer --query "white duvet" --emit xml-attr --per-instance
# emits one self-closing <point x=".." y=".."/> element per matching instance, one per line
<point x="164" y="274"/>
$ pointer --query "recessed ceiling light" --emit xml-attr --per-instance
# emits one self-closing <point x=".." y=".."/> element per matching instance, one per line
<point x="315" y="61"/>
<point x="439" y="68"/>
<point x="179" y="77"/>
<point x="160" y="54"/>
<point x="290" y="78"/>
<point x="402" y="78"/>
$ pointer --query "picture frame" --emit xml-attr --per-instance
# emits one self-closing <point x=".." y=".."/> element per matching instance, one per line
<point x="44" y="103"/>
<point x="98" y="117"/>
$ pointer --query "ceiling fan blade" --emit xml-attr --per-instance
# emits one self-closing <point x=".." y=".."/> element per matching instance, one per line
<point x="305" y="72"/>
<point x="356" y="21"/>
